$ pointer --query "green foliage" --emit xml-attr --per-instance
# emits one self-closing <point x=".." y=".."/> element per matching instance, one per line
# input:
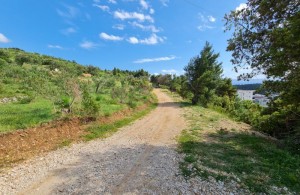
<point x="66" y="90"/>
<point x="26" y="100"/>
<point x="253" y="162"/>
<point x="90" y="107"/>
<point x="204" y="75"/>
<point x="102" y="131"/>
<point x="266" y="38"/>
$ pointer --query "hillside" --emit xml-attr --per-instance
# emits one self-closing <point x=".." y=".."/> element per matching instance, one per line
<point x="36" y="88"/>
<point x="254" y="86"/>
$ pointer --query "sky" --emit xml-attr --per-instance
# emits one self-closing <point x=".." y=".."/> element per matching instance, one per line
<point x="160" y="36"/>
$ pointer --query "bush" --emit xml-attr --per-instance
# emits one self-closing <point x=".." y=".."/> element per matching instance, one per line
<point x="89" y="105"/>
<point x="64" y="102"/>
<point x="25" y="100"/>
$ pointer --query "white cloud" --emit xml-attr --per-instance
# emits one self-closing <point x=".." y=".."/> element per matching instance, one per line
<point x="164" y="2"/>
<point x="172" y="71"/>
<point x="211" y="18"/>
<point x="96" y="1"/>
<point x="102" y="7"/>
<point x="112" y="1"/>
<point x="204" y="27"/>
<point x="55" y="46"/>
<point x="68" y="31"/>
<point x="151" y="28"/>
<point x="110" y="37"/>
<point x="206" y="22"/>
<point x="133" y="40"/>
<point x="152" y="11"/>
<point x="144" y="4"/>
<point x="132" y="15"/>
<point x="146" y="60"/>
<point x="70" y="12"/>
<point x="3" y="38"/>
<point x="152" y="40"/>
<point x="88" y="45"/>
<point x="241" y="7"/>
<point x="119" y="26"/>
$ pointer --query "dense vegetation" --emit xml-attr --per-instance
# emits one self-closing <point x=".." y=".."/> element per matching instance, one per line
<point x="217" y="147"/>
<point x="266" y="38"/>
<point x="203" y="85"/>
<point x="37" y="88"/>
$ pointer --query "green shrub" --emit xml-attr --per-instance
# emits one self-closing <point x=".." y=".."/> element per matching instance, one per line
<point x="25" y="100"/>
<point x="90" y="107"/>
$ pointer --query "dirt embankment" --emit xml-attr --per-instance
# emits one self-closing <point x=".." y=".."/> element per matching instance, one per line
<point x="23" y="144"/>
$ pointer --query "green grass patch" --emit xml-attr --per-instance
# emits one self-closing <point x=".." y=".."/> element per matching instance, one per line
<point x="65" y="143"/>
<point x="105" y="130"/>
<point x="18" y="116"/>
<point x="255" y="163"/>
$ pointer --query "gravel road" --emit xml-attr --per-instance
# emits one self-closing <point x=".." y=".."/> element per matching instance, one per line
<point x="139" y="159"/>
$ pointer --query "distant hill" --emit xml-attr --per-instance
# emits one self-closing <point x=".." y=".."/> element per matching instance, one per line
<point x="242" y="82"/>
<point x="248" y="86"/>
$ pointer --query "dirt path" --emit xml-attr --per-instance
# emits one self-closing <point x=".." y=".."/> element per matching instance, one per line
<point x="140" y="158"/>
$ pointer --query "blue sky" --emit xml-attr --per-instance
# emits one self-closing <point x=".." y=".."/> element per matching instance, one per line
<point x="159" y="36"/>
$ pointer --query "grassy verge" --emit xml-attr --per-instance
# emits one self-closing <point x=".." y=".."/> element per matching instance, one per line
<point x="19" y="116"/>
<point x="105" y="130"/>
<point x="215" y="146"/>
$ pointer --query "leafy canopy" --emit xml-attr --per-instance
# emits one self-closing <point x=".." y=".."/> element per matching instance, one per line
<point x="266" y="39"/>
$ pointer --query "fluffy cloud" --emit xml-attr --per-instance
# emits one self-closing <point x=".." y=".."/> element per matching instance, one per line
<point x="88" y="45"/>
<point x="144" y="4"/>
<point x="206" y="22"/>
<point x="151" y="28"/>
<point x="146" y="60"/>
<point x="132" y="15"/>
<point x="102" y="7"/>
<point x="172" y="71"/>
<point x="119" y="26"/>
<point x="133" y="40"/>
<point x="211" y="18"/>
<point x="152" y="40"/>
<point x="110" y="37"/>
<point x="164" y="2"/>
<point x="112" y="1"/>
<point x="55" y="46"/>
<point x="151" y="11"/>
<point x="3" y="38"/>
<point x="241" y="7"/>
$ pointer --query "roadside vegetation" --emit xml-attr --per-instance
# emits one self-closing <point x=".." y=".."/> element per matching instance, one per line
<point x="265" y="41"/>
<point x="215" y="146"/>
<point x="35" y="89"/>
<point x="230" y="140"/>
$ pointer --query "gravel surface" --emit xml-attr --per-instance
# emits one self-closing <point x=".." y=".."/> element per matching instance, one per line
<point x="139" y="159"/>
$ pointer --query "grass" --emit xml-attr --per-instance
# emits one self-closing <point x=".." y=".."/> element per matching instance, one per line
<point x="253" y="162"/>
<point x="19" y="116"/>
<point x="64" y="143"/>
<point x="105" y="130"/>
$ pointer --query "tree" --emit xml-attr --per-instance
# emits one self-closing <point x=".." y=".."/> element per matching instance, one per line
<point x="203" y="73"/>
<point x="266" y="39"/>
